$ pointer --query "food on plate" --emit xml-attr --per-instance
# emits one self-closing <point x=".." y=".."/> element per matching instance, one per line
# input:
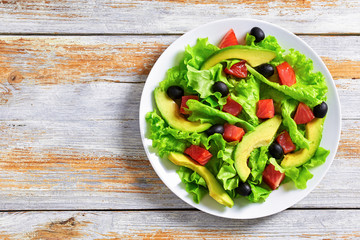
<point x="303" y="114"/>
<point x="244" y="189"/>
<point x="313" y="134"/>
<point x="276" y="151"/>
<point x="171" y="113"/>
<point x="216" y="191"/>
<point x="272" y="177"/>
<point x="258" y="33"/>
<point x="175" y="92"/>
<point x="253" y="56"/>
<point x="284" y="140"/>
<point x="265" y="109"/>
<point x="267" y="70"/>
<point x="240" y="120"/>
<point x="221" y="87"/>
<point x="320" y="110"/>
<point x="286" y="74"/>
<point x="261" y="136"/>
<point x="229" y="39"/>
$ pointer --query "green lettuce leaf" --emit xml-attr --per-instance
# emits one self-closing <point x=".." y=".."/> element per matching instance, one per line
<point x="270" y="43"/>
<point x="247" y="92"/>
<point x="166" y="139"/>
<point x="287" y="108"/>
<point x="305" y="76"/>
<point x="204" y="113"/>
<point x="308" y="94"/>
<point x="228" y="176"/>
<point x="258" y="193"/>
<point x="257" y="162"/>
<point x="194" y="183"/>
<point x="195" y="56"/>
<point x="175" y="76"/>
<point x="318" y="159"/>
<point x="310" y="86"/>
<point x="301" y="175"/>
<point x="222" y="163"/>
<point x="202" y="80"/>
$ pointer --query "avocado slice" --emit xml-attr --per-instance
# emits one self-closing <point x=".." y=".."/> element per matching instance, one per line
<point x="171" y="113"/>
<point x="261" y="136"/>
<point x="253" y="56"/>
<point x="216" y="191"/>
<point x="313" y="132"/>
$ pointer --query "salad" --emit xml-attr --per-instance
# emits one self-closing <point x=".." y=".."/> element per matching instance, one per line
<point x="240" y="120"/>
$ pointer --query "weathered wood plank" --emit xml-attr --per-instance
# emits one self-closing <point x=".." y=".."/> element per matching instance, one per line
<point x="106" y="100"/>
<point x="314" y="224"/>
<point x="162" y="16"/>
<point x="102" y="165"/>
<point x="67" y="117"/>
<point x="60" y="60"/>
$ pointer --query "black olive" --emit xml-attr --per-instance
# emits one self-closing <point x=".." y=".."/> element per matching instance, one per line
<point x="320" y="110"/>
<point x="217" y="128"/>
<point x="267" y="70"/>
<point x="257" y="33"/>
<point x="244" y="189"/>
<point x="221" y="88"/>
<point x="175" y="92"/>
<point x="276" y="150"/>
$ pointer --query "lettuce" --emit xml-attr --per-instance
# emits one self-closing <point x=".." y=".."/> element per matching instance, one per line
<point x="166" y="139"/>
<point x="204" y="113"/>
<point x="310" y="87"/>
<point x="247" y="93"/>
<point x="287" y="108"/>
<point x="302" y="92"/>
<point x="258" y="193"/>
<point x="257" y="163"/>
<point x="300" y="175"/>
<point x="228" y="176"/>
<point x="194" y="183"/>
<point x="202" y="81"/>
<point x="270" y="43"/>
<point x="175" y="76"/>
<point x="195" y="56"/>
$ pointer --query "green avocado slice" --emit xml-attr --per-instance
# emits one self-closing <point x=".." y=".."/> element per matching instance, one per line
<point x="261" y="136"/>
<point x="253" y="56"/>
<point x="216" y="191"/>
<point x="313" y="132"/>
<point x="171" y="113"/>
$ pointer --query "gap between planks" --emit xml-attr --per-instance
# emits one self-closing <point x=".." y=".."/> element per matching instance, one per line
<point x="40" y="34"/>
<point x="162" y="210"/>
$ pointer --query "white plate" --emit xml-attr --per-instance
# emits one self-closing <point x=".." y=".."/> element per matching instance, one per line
<point x="287" y="195"/>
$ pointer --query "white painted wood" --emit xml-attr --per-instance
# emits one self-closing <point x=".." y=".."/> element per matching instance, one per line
<point x="299" y="224"/>
<point x="64" y="129"/>
<point x="71" y="59"/>
<point x="70" y="137"/>
<point x="156" y="17"/>
<point x="105" y="101"/>
<point x="102" y="165"/>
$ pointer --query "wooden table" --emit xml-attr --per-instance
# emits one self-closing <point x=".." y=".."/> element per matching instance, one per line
<point x="72" y="165"/>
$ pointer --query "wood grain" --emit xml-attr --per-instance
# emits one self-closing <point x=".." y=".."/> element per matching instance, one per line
<point x="314" y="224"/>
<point x="69" y="123"/>
<point x="66" y="60"/>
<point x="106" y="101"/>
<point x="158" y="17"/>
<point x="69" y="165"/>
<point x="69" y="135"/>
